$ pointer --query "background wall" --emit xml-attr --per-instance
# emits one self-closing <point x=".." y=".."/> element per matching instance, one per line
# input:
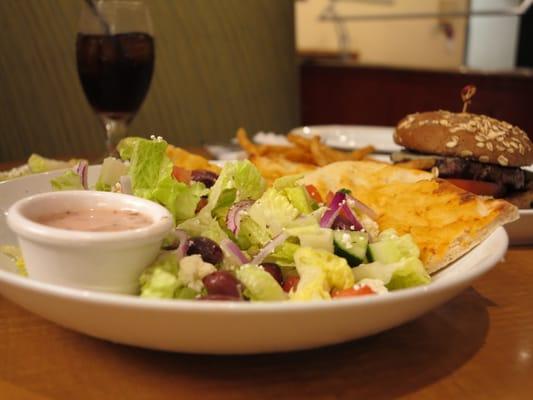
<point x="413" y="42"/>
<point x="492" y="41"/>
<point x="219" y="65"/>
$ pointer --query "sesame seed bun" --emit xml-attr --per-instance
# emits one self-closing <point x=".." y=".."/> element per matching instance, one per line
<point x="476" y="137"/>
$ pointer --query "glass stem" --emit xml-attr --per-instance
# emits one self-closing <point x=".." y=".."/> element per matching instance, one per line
<point x="115" y="130"/>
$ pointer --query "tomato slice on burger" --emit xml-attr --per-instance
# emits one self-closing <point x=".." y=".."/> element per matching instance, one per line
<point x="481" y="188"/>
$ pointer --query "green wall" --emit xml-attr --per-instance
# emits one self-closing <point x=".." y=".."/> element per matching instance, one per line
<point x="220" y="64"/>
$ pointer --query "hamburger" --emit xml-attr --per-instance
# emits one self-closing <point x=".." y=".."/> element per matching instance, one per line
<point x="481" y="154"/>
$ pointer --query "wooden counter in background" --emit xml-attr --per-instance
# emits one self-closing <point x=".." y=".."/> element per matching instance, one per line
<point x="336" y="92"/>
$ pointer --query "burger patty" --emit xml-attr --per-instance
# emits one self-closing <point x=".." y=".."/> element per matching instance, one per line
<point x="453" y="167"/>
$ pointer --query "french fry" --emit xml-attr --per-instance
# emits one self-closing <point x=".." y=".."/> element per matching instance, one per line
<point x="319" y="155"/>
<point x="274" y="167"/>
<point x="303" y="154"/>
<point x="420" y="163"/>
<point x="361" y="153"/>
<point x="247" y="145"/>
<point x="299" y="141"/>
<point x="184" y="159"/>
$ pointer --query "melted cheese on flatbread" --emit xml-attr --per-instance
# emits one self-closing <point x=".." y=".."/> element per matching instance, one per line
<point x="444" y="220"/>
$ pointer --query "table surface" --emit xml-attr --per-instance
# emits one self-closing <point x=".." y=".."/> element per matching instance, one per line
<point x="477" y="346"/>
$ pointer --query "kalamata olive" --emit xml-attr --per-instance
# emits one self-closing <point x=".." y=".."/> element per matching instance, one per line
<point x="208" y="178"/>
<point x="274" y="270"/>
<point x="222" y="283"/>
<point x="342" y="223"/>
<point x="209" y="250"/>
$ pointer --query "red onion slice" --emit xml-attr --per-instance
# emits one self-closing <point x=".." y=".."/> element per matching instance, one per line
<point x="183" y="246"/>
<point x="334" y="209"/>
<point x="125" y="184"/>
<point x="269" y="248"/>
<point x="81" y="169"/>
<point x="355" y="225"/>
<point x="233" y="251"/>
<point x="359" y="205"/>
<point x="233" y="219"/>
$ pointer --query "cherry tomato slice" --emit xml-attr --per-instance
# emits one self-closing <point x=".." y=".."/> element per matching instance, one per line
<point x="181" y="174"/>
<point x="290" y="283"/>
<point x="351" y="292"/>
<point x="314" y="193"/>
<point x="477" y="187"/>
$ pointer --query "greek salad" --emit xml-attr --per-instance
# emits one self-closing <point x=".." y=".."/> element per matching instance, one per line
<point x="237" y="239"/>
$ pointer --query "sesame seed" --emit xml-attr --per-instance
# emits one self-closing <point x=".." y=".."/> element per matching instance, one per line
<point x="483" y="159"/>
<point x="453" y="142"/>
<point x="503" y="160"/>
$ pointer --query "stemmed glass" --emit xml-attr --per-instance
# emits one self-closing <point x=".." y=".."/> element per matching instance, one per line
<point x="115" y="57"/>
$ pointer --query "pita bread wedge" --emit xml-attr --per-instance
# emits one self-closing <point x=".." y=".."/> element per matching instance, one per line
<point x="444" y="220"/>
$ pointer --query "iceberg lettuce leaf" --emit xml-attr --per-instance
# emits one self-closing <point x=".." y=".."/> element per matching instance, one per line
<point x="320" y="271"/>
<point x="259" y="285"/>
<point x="240" y="175"/>
<point x="69" y="180"/>
<point x="273" y="211"/>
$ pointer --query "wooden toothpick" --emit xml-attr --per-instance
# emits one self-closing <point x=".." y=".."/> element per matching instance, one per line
<point x="466" y="95"/>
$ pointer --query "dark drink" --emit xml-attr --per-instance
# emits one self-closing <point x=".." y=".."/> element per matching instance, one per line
<point x="115" y="71"/>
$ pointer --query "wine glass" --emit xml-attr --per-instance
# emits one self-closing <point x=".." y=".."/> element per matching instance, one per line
<point x="115" y="57"/>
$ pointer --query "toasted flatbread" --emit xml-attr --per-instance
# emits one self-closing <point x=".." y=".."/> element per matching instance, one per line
<point x="444" y="220"/>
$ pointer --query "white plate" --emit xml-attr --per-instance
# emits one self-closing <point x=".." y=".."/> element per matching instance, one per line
<point x="521" y="231"/>
<point x="228" y="328"/>
<point x="353" y="136"/>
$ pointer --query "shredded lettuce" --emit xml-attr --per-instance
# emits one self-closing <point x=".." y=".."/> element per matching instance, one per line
<point x="273" y="211"/>
<point x="151" y="178"/>
<point x="259" y="285"/>
<point x="407" y="272"/>
<point x="283" y="255"/>
<point x="320" y="271"/>
<point x="242" y="176"/>
<point x="126" y="146"/>
<point x="160" y="280"/>
<point x="110" y="173"/>
<point x="287" y="181"/>
<point x="203" y="224"/>
<point x="15" y="255"/>
<point x="69" y="180"/>
<point x="251" y="234"/>
<point x="39" y="164"/>
<point x="168" y="279"/>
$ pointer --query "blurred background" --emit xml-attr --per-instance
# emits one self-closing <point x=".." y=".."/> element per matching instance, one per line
<point x="268" y="66"/>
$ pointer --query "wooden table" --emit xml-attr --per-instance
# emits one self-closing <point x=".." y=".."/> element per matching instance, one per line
<point x="477" y="346"/>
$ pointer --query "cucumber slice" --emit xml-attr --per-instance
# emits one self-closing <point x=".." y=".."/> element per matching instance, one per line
<point x="385" y="251"/>
<point x="350" y="245"/>
<point x="299" y="198"/>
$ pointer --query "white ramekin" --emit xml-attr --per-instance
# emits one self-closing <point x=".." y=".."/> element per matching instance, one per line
<point x="102" y="261"/>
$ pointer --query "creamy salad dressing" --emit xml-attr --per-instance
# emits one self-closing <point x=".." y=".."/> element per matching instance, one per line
<point x="96" y="220"/>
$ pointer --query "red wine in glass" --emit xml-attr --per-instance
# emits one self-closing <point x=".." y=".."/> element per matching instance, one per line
<point x="115" y="71"/>
<point x="115" y="59"/>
